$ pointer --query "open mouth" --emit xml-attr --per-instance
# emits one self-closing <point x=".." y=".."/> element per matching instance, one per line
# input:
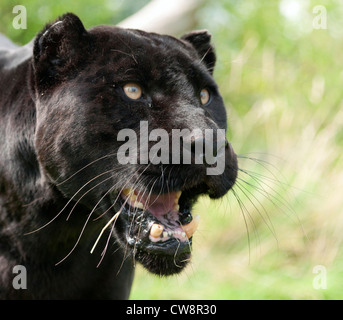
<point x="169" y="223"/>
<point x="159" y="228"/>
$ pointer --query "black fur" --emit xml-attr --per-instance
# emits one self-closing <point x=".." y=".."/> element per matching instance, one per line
<point x="61" y="107"/>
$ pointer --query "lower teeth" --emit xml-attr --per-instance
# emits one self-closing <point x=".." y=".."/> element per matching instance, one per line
<point x="157" y="231"/>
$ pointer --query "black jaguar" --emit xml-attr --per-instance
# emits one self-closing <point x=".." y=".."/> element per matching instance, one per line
<point x="71" y="213"/>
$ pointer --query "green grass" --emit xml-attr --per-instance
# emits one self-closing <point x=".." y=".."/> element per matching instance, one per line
<point x="282" y="84"/>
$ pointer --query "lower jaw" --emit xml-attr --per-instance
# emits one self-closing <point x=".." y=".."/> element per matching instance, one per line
<point x="162" y="259"/>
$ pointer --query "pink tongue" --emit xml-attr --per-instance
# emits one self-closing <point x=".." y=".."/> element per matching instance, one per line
<point x="159" y="205"/>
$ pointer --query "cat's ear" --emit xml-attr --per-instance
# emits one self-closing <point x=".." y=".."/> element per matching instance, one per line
<point x="59" y="47"/>
<point x="201" y="41"/>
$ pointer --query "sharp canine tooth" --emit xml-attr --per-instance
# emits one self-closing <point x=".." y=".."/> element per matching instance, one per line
<point x="132" y="197"/>
<point x="165" y="234"/>
<point x="156" y="230"/>
<point x="191" y="227"/>
<point x="176" y="207"/>
<point x="177" y="197"/>
<point x="127" y="192"/>
<point x="138" y="205"/>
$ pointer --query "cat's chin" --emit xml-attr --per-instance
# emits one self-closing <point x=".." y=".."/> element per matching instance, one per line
<point x="163" y="265"/>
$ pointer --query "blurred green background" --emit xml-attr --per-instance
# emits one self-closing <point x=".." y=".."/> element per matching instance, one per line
<point x="280" y="71"/>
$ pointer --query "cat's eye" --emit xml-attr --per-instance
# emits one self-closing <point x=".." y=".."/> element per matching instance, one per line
<point x="204" y="96"/>
<point x="133" y="90"/>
